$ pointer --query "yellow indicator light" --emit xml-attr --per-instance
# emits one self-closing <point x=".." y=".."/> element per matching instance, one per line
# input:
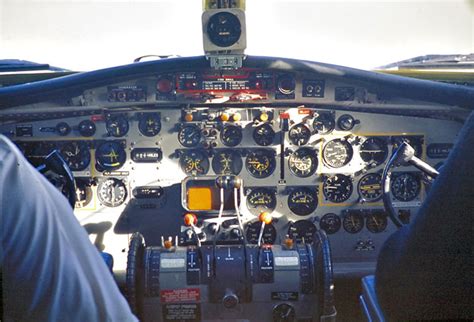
<point x="224" y="117"/>
<point x="236" y="117"/>
<point x="200" y="198"/>
<point x="264" y="117"/>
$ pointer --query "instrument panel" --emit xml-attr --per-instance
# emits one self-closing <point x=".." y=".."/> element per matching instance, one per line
<point x="309" y="168"/>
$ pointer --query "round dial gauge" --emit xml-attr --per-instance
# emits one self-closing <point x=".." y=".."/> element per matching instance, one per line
<point x="330" y="223"/>
<point x="337" y="188"/>
<point x="260" y="163"/>
<point x="302" y="231"/>
<point x="264" y="134"/>
<point x="189" y="136"/>
<point x="224" y="29"/>
<point x="303" y="162"/>
<point x="374" y="151"/>
<point x="376" y="222"/>
<point x="253" y="232"/>
<point x="86" y="128"/>
<point x="77" y="155"/>
<point x="231" y="135"/>
<point x="194" y="162"/>
<point x="117" y="126"/>
<point x="302" y="201"/>
<point x="299" y="134"/>
<point x="261" y="199"/>
<point x="112" y="192"/>
<point x="405" y="186"/>
<point x="353" y="222"/>
<point x="227" y="162"/>
<point x="110" y="156"/>
<point x="337" y="153"/>
<point x="324" y="123"/>
<point x="83" y="192"/>
<point x="149" y="124"/>
<point x="370" y="187"/>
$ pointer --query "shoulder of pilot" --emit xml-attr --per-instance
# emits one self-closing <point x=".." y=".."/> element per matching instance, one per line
<point x="8" y="150"/>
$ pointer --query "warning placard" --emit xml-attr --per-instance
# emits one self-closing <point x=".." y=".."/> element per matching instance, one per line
<point x="182" y="312"/>
<point x="180" y="295"/>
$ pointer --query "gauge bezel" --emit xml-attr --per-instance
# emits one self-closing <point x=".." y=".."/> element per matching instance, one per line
<point x="396" y="176"/>
<point x="84" y="154"/>
<point x="305" y="134"/>
<point x="144" y="128"/>
<point x="346" y="179"/>
<point x="192" y="143"/>
<point x="121" y="156"/>
<point x="299" y="225"/>
<point x="359" y="187"/>
<point x="265" y="139"/>
<point x="122" y="125"/>
<point x="257" y="209"/>
<point x="294" y="208"/>
<point x="383" y="146"/>
<point x="338" y="223"/>
<point x="223" y="135"/>
<point x="236" y="162"/>
<point x="355" y="214"/>
<point x="202" y="156"/>
<point x="349" y="152"/>
<point x="106" y="202"/>
<point x="307" y="153"/>
<point x="270" y="154"/>
<point x="325" y="118"/>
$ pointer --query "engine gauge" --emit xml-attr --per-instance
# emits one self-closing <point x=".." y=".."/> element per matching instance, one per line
<point x="110" y="156"/>
<point x="324" y="123"/>
<point x="231" y="135"/>
<point x="303" y="162"/>
<point x="374" y="151"/>
<point x="149" y="124"/>
<point x="302" y="231"/>
<point x="302" y="201"/>
<point x="112" y="192"/>
<point x="264" y="134"/>
<point x="330" y="223"/>
<point x="261" y="199"/>
<point x="227" y="162"/>
<point x="405" y="186"/>
<point x="337" y="188"/>
<point x="353" y="222"/>
<point x="189" y="136"/>
<point x="299" y="134"/>
<point x="337" y="153"/>
<point x="117" y="126"/>
<point x="260" y="163"/>
<point x="370" y="187"/>
<point x="194" y="162"/>
<point x="376" y="222"/>
<point x="77" y="155"/>
<point x="253" y="232"/>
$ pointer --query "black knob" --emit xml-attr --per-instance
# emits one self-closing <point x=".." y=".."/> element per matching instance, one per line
<point x="63" y="128"/>
<point x="230" y="300"/>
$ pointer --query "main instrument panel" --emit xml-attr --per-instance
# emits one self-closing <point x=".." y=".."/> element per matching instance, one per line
<point x="146" y="153"/>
